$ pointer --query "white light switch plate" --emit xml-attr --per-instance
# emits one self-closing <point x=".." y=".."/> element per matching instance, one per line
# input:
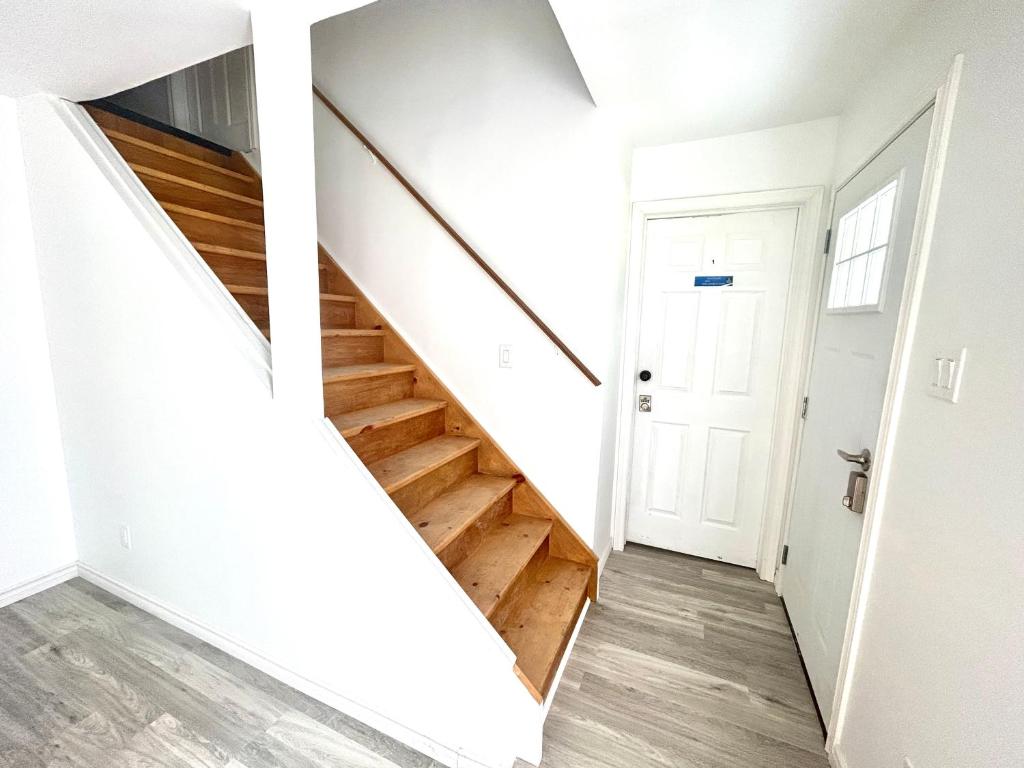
<point x="126" y="537"/>
<point x="504" y="355"/>
<point x="947" y="375"/>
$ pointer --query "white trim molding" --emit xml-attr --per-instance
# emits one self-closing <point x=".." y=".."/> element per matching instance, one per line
<point x="920" y="250"/>
<point x="37" y="584"/>
<point x="804" y="289"/>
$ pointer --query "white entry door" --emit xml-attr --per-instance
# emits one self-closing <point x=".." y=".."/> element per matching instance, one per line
<point x="711" y="325"/>
<point x="872" y="226"/>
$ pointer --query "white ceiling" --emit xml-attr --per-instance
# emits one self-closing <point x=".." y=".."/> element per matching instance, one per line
<point x="678" y="70"/>
<point x="84" y="49"/>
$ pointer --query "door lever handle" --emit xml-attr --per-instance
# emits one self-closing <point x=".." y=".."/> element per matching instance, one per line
<point x="863" y="458"/>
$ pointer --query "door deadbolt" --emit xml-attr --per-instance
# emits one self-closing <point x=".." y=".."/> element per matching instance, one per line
<point x="645" y="404"/>
<point x="856" y="492"/>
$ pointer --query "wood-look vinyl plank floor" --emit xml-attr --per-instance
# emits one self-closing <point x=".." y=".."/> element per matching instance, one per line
<point x="683" y="663"/>
<point x="89" y="681"/>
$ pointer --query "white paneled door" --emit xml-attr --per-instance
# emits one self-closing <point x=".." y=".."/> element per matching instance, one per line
<point x="873" y="225"/>
<point x="711" y="327"/>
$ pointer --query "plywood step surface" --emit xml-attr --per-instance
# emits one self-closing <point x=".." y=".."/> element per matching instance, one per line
<point x="366" y="419"/>
<point x="491" y="570"/>
<point x="541" y="622"/>
<point x="448" y="516"/>
<point x="364" y="371"/>
<point x="401" y="469"/>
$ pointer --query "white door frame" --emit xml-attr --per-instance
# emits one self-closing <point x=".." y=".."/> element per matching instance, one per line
<point x="804" y="286"/>
<point x="944" y="102"/>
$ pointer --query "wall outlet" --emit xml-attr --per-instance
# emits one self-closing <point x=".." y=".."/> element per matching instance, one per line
<point x="126" y="537"/>
<point x="504" y="355"/>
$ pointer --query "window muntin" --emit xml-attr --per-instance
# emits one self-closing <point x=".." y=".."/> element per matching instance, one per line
<point x="862" y="246"/>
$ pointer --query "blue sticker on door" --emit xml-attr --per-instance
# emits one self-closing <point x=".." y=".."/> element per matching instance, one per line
<point x="712" y="281"/>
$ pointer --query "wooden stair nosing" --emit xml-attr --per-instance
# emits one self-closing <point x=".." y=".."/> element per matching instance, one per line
<point x="143" y="170"/>
<point x="446" y="518"/>
<point x="364" y="371"/>
<point x="400" y="469"/>
<point x="326" y="333"/>
<point x="115" y="135"/>
<point x="255" y="290"/>
<point x="199" y="213"/>
<point x="363" y="420"/>
<point x="504" y="553"/>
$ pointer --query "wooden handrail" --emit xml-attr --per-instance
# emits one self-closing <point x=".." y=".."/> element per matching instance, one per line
<point x="458" y="238"/>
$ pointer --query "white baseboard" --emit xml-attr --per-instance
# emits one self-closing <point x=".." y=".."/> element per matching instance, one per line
<point x="836" y="758"/>
<point x="385" y="725"/>
<point x="603" y="559"/>
<point x="38" y="584"/>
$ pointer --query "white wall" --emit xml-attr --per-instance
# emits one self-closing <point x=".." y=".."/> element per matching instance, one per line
<point x="940" y="672"/>
<point x="800" y="155"/>
<point x="36" y="534"/>
<point x="481" y="107"/>
<point x="245" y="519"/>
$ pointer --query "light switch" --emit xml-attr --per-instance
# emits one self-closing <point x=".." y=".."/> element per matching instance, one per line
<point x="504" y="355"/>
<point x="947" y="375"/>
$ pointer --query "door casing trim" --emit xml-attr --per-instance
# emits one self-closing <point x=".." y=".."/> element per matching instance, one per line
<point x="944" y="101"/>
<point x="804" y="287"/>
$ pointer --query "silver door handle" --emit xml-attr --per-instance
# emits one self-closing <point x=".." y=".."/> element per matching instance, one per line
<point x="863" y="458"/>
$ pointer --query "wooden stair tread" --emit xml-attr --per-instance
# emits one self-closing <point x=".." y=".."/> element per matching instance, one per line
<point x="115" y="135"/>
<point x="400" y="469"/>
<point x="539" y="626"/>
<point x="253" y="290"/>
<point x="356" y="422"/>
<point x="199" y="213"/>
<point x="504" y="552"/>
<point x="445" y="518"/>
<point x="325" y="332"/>
<point x="351" y="331"/>
<point x="364" y="371"/>
<point x="184" y="181"/>
<point x="223" y="250"/>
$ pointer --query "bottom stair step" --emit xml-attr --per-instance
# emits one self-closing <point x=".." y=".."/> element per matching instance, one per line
<point x="540" y="623"/>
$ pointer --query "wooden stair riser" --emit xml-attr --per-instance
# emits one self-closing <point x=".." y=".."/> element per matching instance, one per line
<point x="199" y="230"/>
<point x="351" y="350"/>
<point x="148" y="158"/>
<point x="467" y="541"/>
<point x="233" y="270"/>
<point x="375" y="444"/>
<point x="337" y="314"/>
<point x="166" y="191"/>
<point x="424" y="490"/>
<point x="343" y="396"/>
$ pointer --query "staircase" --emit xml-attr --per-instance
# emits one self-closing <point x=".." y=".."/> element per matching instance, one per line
<point x="522" y="566"/>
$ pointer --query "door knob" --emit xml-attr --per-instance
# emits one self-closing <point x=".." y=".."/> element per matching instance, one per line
<point x="863" y="458"/>
<point x="645" y="375"/>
